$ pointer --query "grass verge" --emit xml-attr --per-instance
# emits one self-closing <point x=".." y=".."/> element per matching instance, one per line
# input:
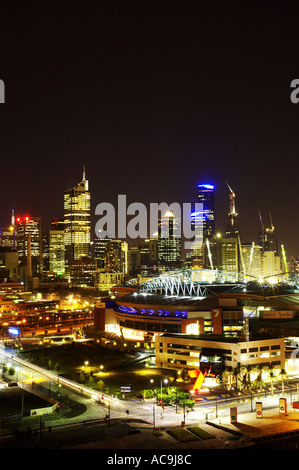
<point x="199" y="432"/>
<point x="182" y="435"/>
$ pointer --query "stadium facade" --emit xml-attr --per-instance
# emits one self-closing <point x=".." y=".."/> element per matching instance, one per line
<point x="211" y="306"/>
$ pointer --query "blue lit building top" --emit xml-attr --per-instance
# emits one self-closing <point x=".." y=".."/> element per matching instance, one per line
<point x="206" y="186"/>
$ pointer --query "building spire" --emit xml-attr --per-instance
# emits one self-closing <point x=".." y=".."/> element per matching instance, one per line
<point x="84" y="180"/>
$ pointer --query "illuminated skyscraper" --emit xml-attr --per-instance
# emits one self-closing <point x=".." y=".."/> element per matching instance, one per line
<point x="205" y="222"/>
<point x="169" y="242"/>
<point x="76" y="223"/>
<point x="28" y="231"/>
<point x="206" y="198"/>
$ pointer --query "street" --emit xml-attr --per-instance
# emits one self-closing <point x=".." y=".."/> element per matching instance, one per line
<point x="82" y="406"/>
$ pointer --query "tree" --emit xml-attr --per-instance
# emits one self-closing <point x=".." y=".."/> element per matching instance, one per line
<point x="236" y="374"/>
<point x="82" y="377"/>
<point x="91" y="380"/>
<point x="272" y="375"/>
<point x="283" y="376"/>
<point x="227" y="376"/>
<point x="101" y="384"/>
<point x="259" y="383"/>
<point x="148" y="393"/>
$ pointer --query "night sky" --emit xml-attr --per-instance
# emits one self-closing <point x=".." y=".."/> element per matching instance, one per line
<point x="153" y="97"/>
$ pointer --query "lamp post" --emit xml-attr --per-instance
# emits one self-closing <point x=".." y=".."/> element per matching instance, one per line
<point x="154" y="414"/>
<point x="165" y="381"/>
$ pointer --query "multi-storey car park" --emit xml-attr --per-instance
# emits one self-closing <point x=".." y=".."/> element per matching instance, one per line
<point x="196" y="318"/>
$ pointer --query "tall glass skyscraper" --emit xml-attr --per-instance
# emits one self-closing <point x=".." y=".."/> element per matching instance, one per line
<point x="76" y="223"/>
<point x="206" y="198"/>
<point x="169" y="243"/>
<point x="205" y="219"/>
<point x="29" y="242"/>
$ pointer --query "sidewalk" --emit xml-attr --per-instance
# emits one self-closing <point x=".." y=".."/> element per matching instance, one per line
<point x="271" y="422"/>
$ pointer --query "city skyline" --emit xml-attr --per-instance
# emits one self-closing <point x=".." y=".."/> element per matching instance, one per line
<point x="149" y="235"/>
<point x="265" y="221"/>
<point x="153" y="100"/>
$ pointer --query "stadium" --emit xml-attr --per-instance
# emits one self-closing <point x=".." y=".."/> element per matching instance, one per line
<point x="214" y="307"/>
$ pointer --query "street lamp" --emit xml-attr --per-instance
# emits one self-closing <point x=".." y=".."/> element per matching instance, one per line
<point x="165" y="381"/>
<point x="154" y="414"/>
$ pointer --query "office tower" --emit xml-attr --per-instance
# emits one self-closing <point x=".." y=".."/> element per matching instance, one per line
<point x="169" y="242"/>
<point x="76" y="223"/>
<point x="8" y="234"/>
<point x="271" y="264"/>
<point x="197" y="252"/>
<point x="206" y="198"/>
<point x="9" y="261"/>
<point x="116" y="257"/>
<point x="251" y="256"/>
<point x="231" y="229"/>
<point x="266" y="236"/>
<point x="46" y="254"/>
<point x="100" y="246"/>
<point x="28" y="231"/>
<point x="82" y="272"/>
<point x="228" y="254"/>
<point x="111" y="255"/>
<point x="149" y="256"/>
<point x="56" y="252"/>
<point x="134" y="261"/>
<point x="203" y="222"/>
<point x="111" y="258"/>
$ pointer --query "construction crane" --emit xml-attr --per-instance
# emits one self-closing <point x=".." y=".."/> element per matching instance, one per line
<point x="232" y="207"/>
<point x="271" y="223"/>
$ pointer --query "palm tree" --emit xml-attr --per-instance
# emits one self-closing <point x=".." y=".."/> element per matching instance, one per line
<point x="272" y="375"/>
<point x="227" y="376"/>
<point x="283" y="376"/>
<point x="245" y="378"/>
<point x="236" y="373"/>
<point x="259" y="383"/>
